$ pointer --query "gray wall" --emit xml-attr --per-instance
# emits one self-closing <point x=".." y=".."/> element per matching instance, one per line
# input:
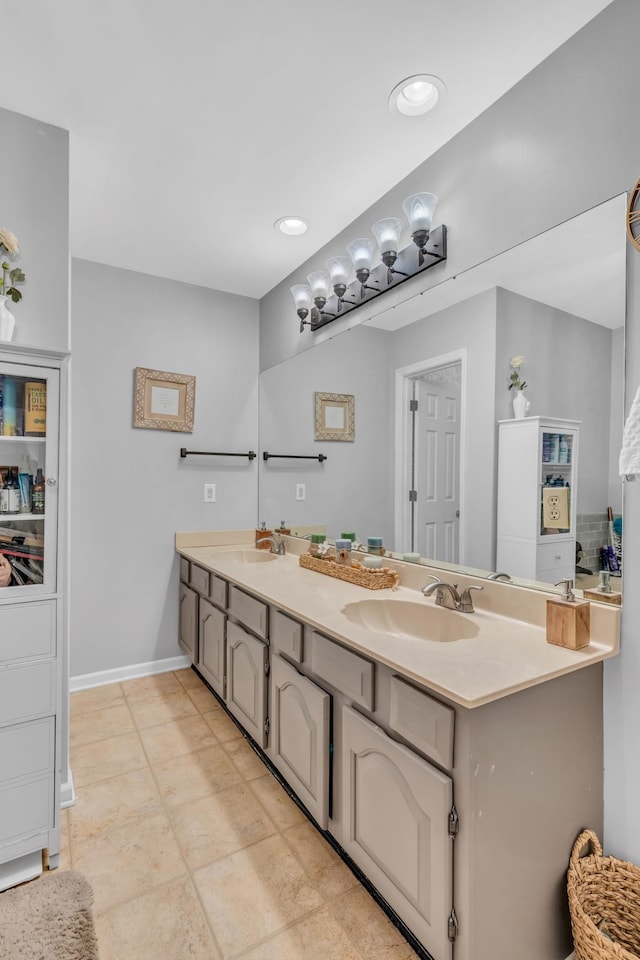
<point x="130" y="491"/>
<point x="568" y="370"/>
<point x="555" y="145"/>
<point x="35" y="206"/>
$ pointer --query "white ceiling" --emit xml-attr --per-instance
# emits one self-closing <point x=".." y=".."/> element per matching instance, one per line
<point x="194" y="126"/>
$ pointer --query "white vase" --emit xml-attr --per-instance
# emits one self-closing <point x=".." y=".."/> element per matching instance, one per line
<point x="7" y="321"/>
<point x="521" y="405"/>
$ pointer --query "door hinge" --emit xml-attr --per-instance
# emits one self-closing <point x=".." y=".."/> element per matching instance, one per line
<point x="413" y="406"/>
<point x="413" y="496"/>
<point x="452" y="925"/>
<point x="266" y="726"/>
<point x="266" y="668"/>
<point x="454" y="822"/>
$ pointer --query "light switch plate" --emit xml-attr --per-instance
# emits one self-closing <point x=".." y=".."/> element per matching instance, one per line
<point x="301" y="491"/>
<point x="209" y="493"/>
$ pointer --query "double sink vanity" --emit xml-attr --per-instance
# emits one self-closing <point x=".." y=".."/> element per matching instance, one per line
<point x="452" y="757"/>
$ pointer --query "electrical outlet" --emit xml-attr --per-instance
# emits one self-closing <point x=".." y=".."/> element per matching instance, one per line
<point x="209" y="493"/>
<point x="301" y="491"/>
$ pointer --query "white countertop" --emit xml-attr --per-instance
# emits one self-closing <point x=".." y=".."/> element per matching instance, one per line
<point x="509" y="652"/>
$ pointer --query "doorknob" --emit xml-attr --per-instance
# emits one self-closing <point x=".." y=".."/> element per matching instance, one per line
<point x="457" y="514"/>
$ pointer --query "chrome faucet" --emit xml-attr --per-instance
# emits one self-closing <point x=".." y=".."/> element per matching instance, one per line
<point x="498" y="576"/>
<point x="277" y="546"/>
<point x="447" y="595"/>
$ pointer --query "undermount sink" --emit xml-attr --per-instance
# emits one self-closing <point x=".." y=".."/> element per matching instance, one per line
<point x="249" y="556"/>
<point x="419" y="621"/>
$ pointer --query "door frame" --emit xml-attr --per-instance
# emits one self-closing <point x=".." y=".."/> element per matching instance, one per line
<point x="402" y="432"/>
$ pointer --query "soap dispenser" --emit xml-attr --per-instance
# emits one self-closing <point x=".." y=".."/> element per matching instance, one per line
<point x="261" y="534"/>
<point x="568" y="619"/>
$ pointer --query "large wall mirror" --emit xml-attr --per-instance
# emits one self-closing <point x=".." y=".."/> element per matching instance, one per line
<point x="558" y="300"/>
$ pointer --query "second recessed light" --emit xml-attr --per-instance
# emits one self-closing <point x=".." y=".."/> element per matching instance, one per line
<point x="416" y="95"/>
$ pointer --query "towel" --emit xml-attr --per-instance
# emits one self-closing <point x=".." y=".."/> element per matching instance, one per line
<point x="630" y="453"/>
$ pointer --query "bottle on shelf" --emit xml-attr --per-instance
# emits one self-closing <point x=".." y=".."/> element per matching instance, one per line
<point x="38" y="492"/>
<point x="24" y="484"/>
<point x="10" y="494"/>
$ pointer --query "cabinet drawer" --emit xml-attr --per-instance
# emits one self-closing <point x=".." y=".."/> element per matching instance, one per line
<point x="286" y="635"/>
<point x="557" y="558"/>
<point x="253" y="613"/>
<point x="27" y="630"/>
<point x="27" y="691"/>
<point x="423" y="721"/>
<point x="27" y="749"/>
<point x="184" y="569"/>
<point x="199" y="580"/>
<point x="344" y="670"/>
<point x="26" y="808"/>
<point x="218" y="590"/>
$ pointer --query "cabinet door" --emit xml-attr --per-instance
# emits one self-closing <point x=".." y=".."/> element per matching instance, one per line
<point x="188" y="622"/>
<point x="300" y="736"/>
<point x="211" y="645"/>
<point x="29" y="442"/>
<point x="247" y="660"/>
<point x="397" y="807"/>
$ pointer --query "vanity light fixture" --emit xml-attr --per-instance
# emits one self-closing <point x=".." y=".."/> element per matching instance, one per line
<point x="314" y="300"/>
<point x="291" y="226"/>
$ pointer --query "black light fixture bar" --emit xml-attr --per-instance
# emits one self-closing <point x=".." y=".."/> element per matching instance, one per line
<point x="292" y="456"/>
<point x="213" y="453"/>
<point x="406" y="266"/>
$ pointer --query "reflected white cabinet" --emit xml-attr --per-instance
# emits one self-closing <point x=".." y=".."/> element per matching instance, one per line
<point x="397" y="807"/>
<point x="300" y="715"/>
<point x="537" y="487"/>
<point x="33" y="684"/>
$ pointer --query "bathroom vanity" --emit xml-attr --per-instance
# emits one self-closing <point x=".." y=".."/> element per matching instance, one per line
<point x="453" y="759"/>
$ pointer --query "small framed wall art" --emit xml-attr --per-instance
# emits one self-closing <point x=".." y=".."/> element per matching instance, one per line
<point x="334" y="416"/>
<point x="163" y="401"/>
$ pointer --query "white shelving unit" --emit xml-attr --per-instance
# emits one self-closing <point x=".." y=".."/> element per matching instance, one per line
<point x="537" y="486"/>
<point x="33" y="688"/>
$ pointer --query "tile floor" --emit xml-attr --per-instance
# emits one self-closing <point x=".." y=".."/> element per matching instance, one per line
<point x="192" y="847"/>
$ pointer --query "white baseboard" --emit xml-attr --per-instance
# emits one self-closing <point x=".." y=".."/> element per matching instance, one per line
<point x="67" y="792"/>
<point x="131" y="672"/>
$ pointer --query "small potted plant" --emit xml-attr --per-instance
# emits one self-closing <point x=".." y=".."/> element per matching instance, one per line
<point x="521" y="405"/>
<point x="8" y="289"/>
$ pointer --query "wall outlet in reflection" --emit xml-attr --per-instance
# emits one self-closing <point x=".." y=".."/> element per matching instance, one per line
<point x="301" y="491"/>
<point x="209" y="493"/>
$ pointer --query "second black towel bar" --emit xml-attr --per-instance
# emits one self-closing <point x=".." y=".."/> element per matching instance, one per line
<point x="293" y="456"/>
<point x="214" y="453"/>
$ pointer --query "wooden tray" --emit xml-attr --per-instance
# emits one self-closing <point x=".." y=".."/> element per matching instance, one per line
<point x="371" y="579"/>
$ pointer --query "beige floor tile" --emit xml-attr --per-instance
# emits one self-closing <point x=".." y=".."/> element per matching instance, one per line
<point x="217" y="825"/>
<point x="96" y="698"/>
<point x="203" y="699"/>
<point x="157" y="685"/>
<point x="194" y="775"/>
<point x="176" y="738"/>
<point x="331" y="876"/>
<point x="255" y="893"/>
<point x="128" y="859"/>
<point x="100" y="805"/>
<point x="161" y="709"/>
<point x="188" y="678"/>
<point x="167" y="923"/>
<point x="274" y="799"/>
<point x="368" y="927"/>
<point x="108" y="758"/>
<point x="100" y="724"/>
<point x="222" y="725"/>
<point x="315" y="937"/>
<point x="245" y="758"/>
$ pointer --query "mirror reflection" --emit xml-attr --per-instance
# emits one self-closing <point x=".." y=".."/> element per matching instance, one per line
<point x="430" y="380"/>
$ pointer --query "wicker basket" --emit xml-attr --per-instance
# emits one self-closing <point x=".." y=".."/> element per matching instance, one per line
<point x="379" y="579"/>
<point x="603" y="893"/>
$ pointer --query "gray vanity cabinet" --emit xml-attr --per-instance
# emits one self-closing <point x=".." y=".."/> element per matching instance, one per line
<point x="300" y="736"/>
<point x="247" y="668"/>
<point x="396" y="809"/>
<point x="212" y="645"/>
<point x="188" y="622"/>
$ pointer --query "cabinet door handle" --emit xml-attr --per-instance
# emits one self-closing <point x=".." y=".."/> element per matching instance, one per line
<point x="52" y="481"/>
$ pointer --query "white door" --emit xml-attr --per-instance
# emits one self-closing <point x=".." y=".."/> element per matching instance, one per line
<point x="437" y="465"/>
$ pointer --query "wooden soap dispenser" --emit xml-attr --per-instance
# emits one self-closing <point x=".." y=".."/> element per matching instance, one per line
<point x="568" y="619"/>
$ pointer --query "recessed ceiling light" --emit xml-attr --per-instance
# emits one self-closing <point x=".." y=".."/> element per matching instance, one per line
<point x="292" y="226"/>
<point x="416" y="95"/>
